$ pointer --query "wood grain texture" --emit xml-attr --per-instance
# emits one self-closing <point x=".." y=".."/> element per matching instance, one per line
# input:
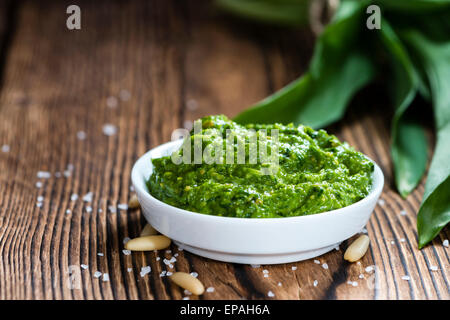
<point x="178" y="61"/>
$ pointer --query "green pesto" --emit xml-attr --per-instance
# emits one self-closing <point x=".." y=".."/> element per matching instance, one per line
<point x="316" y="173"/>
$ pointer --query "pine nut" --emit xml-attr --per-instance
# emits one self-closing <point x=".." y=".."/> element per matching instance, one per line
<point x="133" y="203"/>
<point x="357" y="249"/>
<point x="148" y="243"/>
<point x="188" y="282"/>
<point x="148" y="231"/>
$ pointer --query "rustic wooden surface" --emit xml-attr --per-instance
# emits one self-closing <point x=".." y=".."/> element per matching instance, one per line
<point x="178" y="61"/>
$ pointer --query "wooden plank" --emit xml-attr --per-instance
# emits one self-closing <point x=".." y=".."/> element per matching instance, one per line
<point x="178" y="61"/>
<point x="69" y="76"/>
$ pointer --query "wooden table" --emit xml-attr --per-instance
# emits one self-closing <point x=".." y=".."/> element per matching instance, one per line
<point x="148" y="68"/>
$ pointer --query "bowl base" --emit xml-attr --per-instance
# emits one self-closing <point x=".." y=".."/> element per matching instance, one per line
<point x="256" y="258"/>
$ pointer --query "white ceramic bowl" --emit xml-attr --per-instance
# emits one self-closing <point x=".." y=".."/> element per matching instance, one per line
<point x="249" y="240"/>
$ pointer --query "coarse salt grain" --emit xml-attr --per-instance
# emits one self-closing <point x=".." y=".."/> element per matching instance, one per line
<point x="122" y="206"/>
<point x="39" y="204"/>
<point x="403" y="212"/>
<point x="445" y="243"/>
<point x="74" y="197"/>
<point x="194" y="274"/>
<point x="265" y="271"/>
<point x="210" y="289"/>
<point x="100" y="254"/>
<point x="188" y="124"/>
<point x="158" y="258"/>
<point x="407" y="278"/>
<point x="169" y="273"/>
<point x="325" y="266"/>
<point x="44" y="175"/>
<point x="381" y="202"/>
<point x="112" y="209"/>
<point x="270" y="294"/>
<point x="433" y="268"/>
<point x="125" y="240"/>
<point x="40" y="198"/>
<point x="168" y="251"/>
<point x="88" y="197"/>
<point x="187" y="292"/>
<point x="68" y="211"/>
<point x="402" y="240"/>
<point x="84" y="266"/>
<point x="88" y="209"/>
<point x="81" y="135"/>
<point x="111" y="102"/>
<point x="266" y="275"/>
<point x="5" y="148"/>
<point x="255" y="265"/>
<point x="124" y="95"/>
<point x="279" y="284"/>
<point x="315" y="283"/>
<point x="354" y="283"/>
<point x="129" y="269"/>
<point x="294" y="268"/>
<point x="58" y="174"/>
<point x="145" y="270"/>
<point x="38" y="184"/>
<point x="109" y="129"/>
<point x="186" y="298"/>
<point x="192" y="104"/>
<point x="316" y="261"/>
<point x="369" y="269"/>
<point x="97" y="274"/>
<point x="105" y="277"/>
<point x="361" y="276"/>
<point x="126" y="252"/>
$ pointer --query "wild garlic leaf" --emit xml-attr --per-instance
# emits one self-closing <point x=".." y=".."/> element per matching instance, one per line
<point x="408" y="144"/>
<point x="434" y="212"/>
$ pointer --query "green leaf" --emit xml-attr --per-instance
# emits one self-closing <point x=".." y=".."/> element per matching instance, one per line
<point x="282" y="12"/>
<point x="434" y="212"/>
<point x="337" y="70"/>
<point x="408" y="144"/>
<point x="409" y="154"/>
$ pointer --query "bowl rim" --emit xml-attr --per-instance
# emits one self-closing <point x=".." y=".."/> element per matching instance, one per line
<point x="377" y="186"/>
